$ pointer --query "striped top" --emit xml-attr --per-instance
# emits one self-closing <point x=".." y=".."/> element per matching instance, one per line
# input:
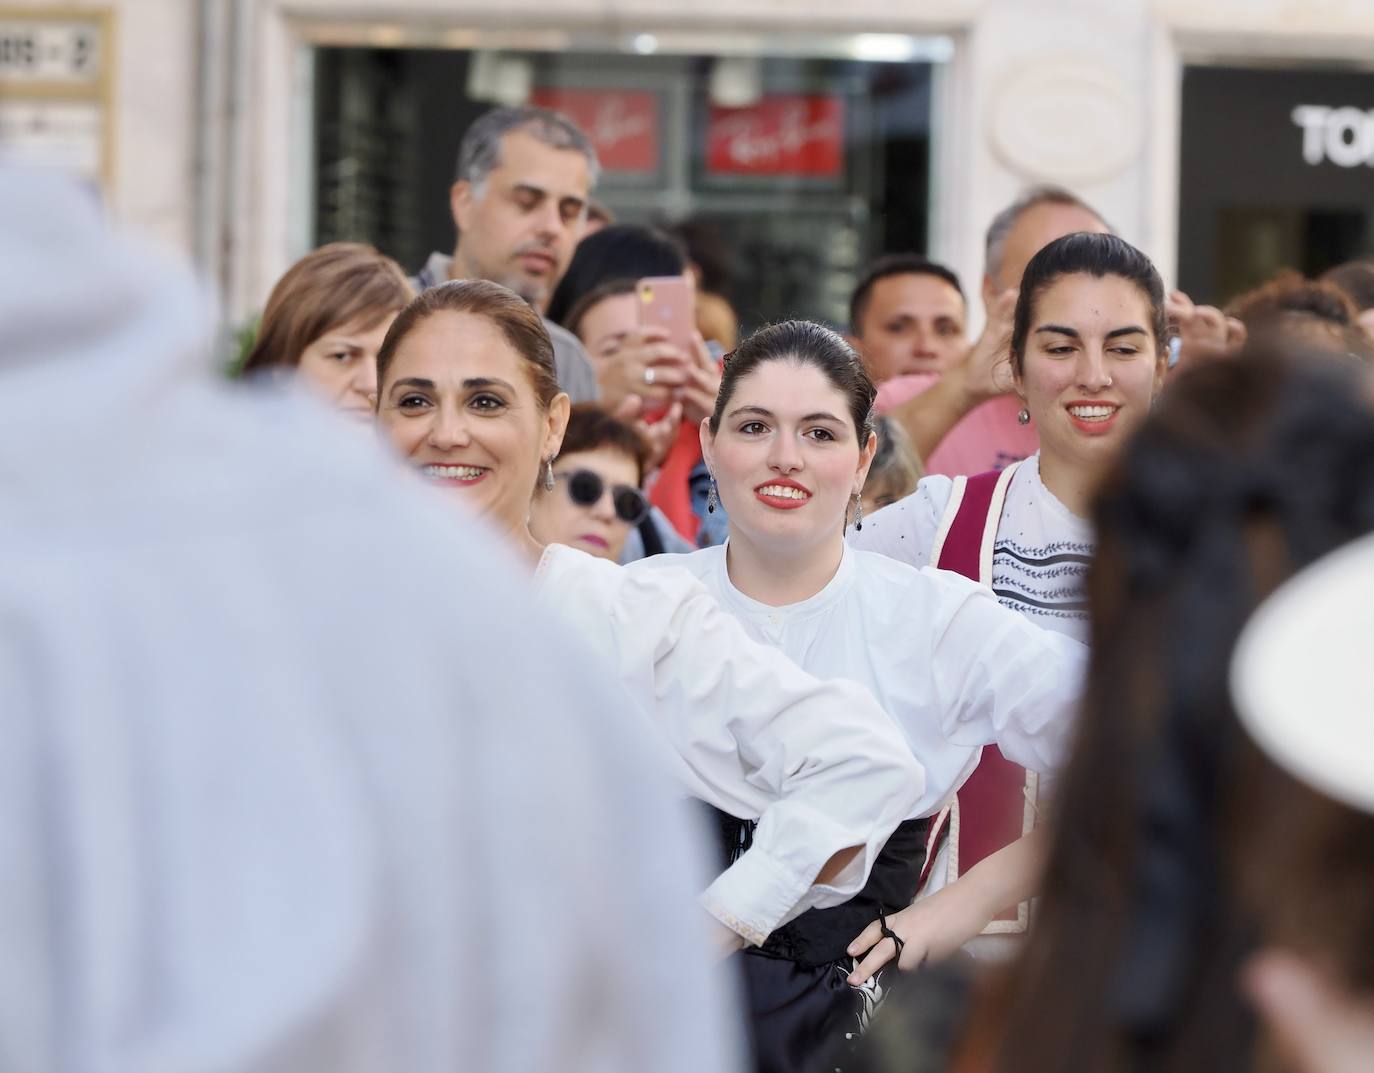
<point x="1040" y="557"/>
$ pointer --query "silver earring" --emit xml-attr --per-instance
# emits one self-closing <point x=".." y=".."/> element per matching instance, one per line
<point x="858" y="512"/>
<point x="548" y="475"/>
<point x="712" y="498"/>
<point x="1023" y="416"/>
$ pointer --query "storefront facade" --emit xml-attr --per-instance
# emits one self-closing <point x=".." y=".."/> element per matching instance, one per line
<point x="218" y="144"/>
<point x="798" y="166"/>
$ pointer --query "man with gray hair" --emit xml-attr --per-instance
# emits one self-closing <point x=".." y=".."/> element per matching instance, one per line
<point x="525" y="177"/>
<point x="968" y="411"/>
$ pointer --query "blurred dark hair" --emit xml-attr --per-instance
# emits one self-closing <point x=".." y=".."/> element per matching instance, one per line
<point x="1356" y="279"/>
<point x="707" y="249"/>
<point x="894" y="264"/>
<point x="1094" y="255"/>
<point x="612" y="288"/>
<point x="802" y="342"/>
<point x="1246" y="471"/>
<point x="1295" y="312"/>
<point x="1289" y="292"/>
<point x="590" y="427"/>
<point x="512" y="315"/>
<point x="621" y="251"/>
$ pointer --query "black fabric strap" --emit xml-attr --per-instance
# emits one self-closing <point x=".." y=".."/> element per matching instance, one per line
<point x="822" y="936"/>
<point x="888" y="933"/>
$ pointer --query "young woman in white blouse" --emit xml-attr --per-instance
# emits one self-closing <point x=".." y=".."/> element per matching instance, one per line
<point x="1088" y="354"/>
<point x="468" y="395"/>
<point x="789" y="446"/>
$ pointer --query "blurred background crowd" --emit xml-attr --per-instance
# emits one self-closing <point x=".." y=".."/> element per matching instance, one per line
<point x="776" y="307"/>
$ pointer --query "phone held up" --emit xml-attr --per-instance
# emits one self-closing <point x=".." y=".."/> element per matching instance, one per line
<point x="666" y="302"/>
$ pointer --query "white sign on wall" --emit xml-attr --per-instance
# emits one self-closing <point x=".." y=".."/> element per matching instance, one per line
<point x="55" y="90"/>
<point x="1343" y="136"/>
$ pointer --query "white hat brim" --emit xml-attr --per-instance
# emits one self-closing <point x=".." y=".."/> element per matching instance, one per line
<point x="1302" y="671"/>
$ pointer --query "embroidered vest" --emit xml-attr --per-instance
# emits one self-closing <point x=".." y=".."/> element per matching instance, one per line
<point x="997" y="803"/>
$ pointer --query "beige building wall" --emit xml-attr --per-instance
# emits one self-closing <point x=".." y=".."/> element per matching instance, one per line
<point x="153" y="111"/>
<point x="1082" y="92"/>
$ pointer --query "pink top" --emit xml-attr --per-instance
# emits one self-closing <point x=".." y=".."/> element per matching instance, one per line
<point x="988" y="437"/>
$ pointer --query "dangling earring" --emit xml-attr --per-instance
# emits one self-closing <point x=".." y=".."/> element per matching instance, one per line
<point x="548" y="475"/>
<point x="1023" y="416"/>
<point x="712" y="498"/>
<point x="858" y="512"/>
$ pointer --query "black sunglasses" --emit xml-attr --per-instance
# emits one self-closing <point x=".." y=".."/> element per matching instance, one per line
<point x="586" y="488"/>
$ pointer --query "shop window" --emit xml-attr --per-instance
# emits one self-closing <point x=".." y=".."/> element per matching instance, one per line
<point x="1275" y="174"/>
<point x="806" y="166"/>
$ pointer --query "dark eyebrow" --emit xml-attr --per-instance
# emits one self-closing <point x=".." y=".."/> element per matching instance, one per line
<point x="820" y="415"/>
<point x="474" y="382"/>
<point x="414" y="381"/>
<point x="1072" y="333"/>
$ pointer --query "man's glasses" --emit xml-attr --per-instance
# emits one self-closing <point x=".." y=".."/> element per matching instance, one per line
<point x="586" y="488"/>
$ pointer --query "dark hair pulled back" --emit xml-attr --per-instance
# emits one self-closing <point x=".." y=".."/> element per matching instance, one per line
<point x="1090" y="254"/>
<point x="802" y="342"/>
<point x="618" y="252"/>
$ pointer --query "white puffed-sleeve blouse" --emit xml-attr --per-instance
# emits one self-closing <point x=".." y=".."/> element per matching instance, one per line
<point x="953" y="668"/>
<point x="818" y="764"/>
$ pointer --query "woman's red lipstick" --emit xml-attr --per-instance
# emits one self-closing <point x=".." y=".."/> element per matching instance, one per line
<point x="782" y="493"/>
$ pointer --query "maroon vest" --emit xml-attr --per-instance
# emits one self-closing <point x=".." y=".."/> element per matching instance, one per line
<point x="996" y="804"/>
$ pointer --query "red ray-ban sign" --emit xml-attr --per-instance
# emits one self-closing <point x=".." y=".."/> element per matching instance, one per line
<point x="785" y="135"/>
<point x="622" y="124"/>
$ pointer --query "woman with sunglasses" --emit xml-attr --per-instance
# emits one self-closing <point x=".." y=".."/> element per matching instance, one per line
<point x="596" y="501"/>
<point x="468" y="396"/>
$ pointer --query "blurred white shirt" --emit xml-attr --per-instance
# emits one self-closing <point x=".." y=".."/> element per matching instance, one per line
<point x="272" y="800"/>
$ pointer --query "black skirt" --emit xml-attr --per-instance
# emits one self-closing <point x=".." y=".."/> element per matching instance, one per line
<point x="800" y="1007"/>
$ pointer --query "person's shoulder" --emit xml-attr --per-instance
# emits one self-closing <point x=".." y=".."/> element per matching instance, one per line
<point x="561" y="562"/>
<point x="930" y="499"/>
<point x="906" y="529"/>
<point x="433" y="272"/>
<point x="633" y="605"/>
<point x="568" y="567"/>
<point x="576" y="374"/>
<point x="564" y="340"/>
<point x="699" y="563"/>
<point x="878" y="571"/>
<point x="895" y="581"/>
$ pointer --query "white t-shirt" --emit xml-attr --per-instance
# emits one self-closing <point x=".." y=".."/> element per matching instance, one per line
<point x="1040" y="556"/>
<point x="818" y="764"/>
<point x="950" y="667"/>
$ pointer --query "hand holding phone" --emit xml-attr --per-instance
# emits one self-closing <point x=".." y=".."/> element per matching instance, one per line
<point x="667" y="303"/>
